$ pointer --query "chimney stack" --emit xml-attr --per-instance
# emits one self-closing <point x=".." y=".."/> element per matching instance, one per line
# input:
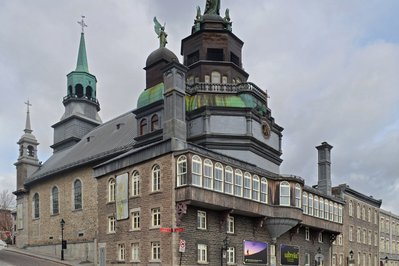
<point x="324" y="171"/>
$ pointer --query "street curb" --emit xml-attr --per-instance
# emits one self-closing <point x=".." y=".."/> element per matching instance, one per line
<point x="27" y="253"/>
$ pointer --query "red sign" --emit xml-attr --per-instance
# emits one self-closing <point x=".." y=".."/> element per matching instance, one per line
<point x="178" y="230"/>
<point x="182" y="245"/>
<point x="165" y="230"/>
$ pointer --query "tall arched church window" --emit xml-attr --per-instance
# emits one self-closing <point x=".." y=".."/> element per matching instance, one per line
<point x="285" y="193"/>
<point x="182" y="171"/>
<point x="77" y="194"/>
<point x="216" y="77"/>
<point x="54" y="201"/>
<point x="264" y="189"/>
<point x="143" y="126"/>
<point x="79" y="90"/>
<point x="196" y="169"/>
<point x="36" y="206"/>
<point x="154" y="123"/>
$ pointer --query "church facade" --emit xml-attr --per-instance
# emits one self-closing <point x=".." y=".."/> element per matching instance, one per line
<point x="190" y="176"/>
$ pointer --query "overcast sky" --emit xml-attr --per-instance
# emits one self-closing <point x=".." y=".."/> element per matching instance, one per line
<point x="330" y="68"/>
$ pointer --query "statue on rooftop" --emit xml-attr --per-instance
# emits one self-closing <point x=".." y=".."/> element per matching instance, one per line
<point x="212" y="7"/>
<point x="160" y="31"/>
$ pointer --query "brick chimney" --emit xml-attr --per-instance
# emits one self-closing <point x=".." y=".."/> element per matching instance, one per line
<point x="324" y="171"/>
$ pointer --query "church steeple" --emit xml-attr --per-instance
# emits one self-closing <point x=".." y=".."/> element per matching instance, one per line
<point x="28" y="161"/>
<point x="81" y="104"/>
<point x="82" y="57"/>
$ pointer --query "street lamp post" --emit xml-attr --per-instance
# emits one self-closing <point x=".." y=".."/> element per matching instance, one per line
<point x="350" y="259"/>
<point x="62" y="238"/>
<point x="386" y="260"/>
<point x="223" y="248"/>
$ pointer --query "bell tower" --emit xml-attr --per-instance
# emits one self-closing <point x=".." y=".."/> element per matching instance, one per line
<point x="28" y="161"/>
<point x="81" y="104"/>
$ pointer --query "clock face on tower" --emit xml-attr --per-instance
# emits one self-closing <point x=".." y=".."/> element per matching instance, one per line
<point x="265" y="129"/>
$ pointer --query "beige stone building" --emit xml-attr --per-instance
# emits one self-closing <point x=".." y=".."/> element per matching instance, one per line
<point x="389" y="238"/>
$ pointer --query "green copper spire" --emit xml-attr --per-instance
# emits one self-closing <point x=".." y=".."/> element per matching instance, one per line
<point x="82" y="57"/>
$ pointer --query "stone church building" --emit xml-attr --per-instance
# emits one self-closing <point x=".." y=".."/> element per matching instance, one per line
<point x="190" y="176"/>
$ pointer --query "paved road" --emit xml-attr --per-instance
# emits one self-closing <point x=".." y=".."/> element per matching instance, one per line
<point x="8" y="258"/>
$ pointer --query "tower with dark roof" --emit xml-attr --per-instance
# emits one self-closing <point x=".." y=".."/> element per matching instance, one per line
<point x="81" y="104"/>
<point x="28" y="161"/>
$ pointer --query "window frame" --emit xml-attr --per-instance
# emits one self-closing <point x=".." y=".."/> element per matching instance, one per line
<point x="255" y="188"/>
<point x="36" y="206"/>
<point x="111" y="189"/>
<point x="155" y="251"/>
<point x="121" y="252"/>
<point x="155" y="178"/>
<point x="298" y="196"/>
<point x="202" y="253"/>
<point x="136" y="180"/>
<point x="207" y="174"/>
<point x="196" y="171"/>
<point x="55" y="202"/>
<point x="181" y="170"/>
<point x="219" y="177"/>
<point x="156" y="217"/>
<point x="229" y="180"/>
<point x="201" y="220"/>
<point x="238" y="183"/>
<point x="77" y="194"/>
<point x="285" y="185"/>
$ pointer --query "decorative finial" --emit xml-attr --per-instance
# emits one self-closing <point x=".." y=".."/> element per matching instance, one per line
<point x="212" y="7"/>
<point x="82" y="24"/>
<point x="27" y="105"/>
<point x="160" y="31"/>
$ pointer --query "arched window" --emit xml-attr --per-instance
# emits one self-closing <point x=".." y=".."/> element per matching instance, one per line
<point x="305" y="203"/>
<point x="298" y="195"/>
<point x="219" y="177"/>
<point x="143" y="126"/>
<point x="238" y="183"/>
<point x="77" y="194"/>
<point x="321" y="206"/>
<point x="111" y="190"/>
<point x="369" y="215"/>
<point x="247" y="185"/>
<point x="216" y="77"/>
<point x="264" y="189"/>
<point x="69" y="90"/>
<point x="31" y="151"/>
<point x="316" y="206"/>
<point x="331" y="211"/>
<point x="208" y="174"/>
<point x="182" y="171"/>
<point x="89" y="92"/>
<point x="326" y="209"/>
<point x="310" y="204"/>
<point x="228" y="180"/>
<point x="285" y="193"/>
<point x="350" y="208"/>
<point x="336" y="212"/>
<point x="196" y="169"/>
<point x="36" y="206"/>
<point x="54" y="201"/>
<point x="135" y="184"/>
<point x="358" y="211"/>
<point x="79" y="90"/>
<point x="156" y="178"/>
<point x="340" y="213"/>
<point x="154" y="123"/>
<point x="255" y="187"/>
<point x="363" y="213"/>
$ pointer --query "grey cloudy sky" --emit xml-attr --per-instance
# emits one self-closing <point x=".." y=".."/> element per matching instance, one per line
<point x="330" y="67"/>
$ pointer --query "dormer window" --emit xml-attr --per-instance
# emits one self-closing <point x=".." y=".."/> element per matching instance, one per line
<point x="154" y="123"/>
<point x="143" y="126"/>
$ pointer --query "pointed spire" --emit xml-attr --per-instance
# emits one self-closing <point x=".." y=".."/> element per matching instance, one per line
<point x="82" y="57"/>
<point x="28" y="128"/>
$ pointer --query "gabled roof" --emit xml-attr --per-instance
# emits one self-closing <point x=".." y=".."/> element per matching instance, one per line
<point x="106" y="140"/>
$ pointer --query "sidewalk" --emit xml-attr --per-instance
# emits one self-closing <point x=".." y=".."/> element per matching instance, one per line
<point x="46" y="257"/>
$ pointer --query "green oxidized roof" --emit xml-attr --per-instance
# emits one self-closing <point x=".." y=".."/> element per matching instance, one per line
<point x="243" y="100"/>
<point x="151" y="95"/>
<point x="82" y="65"/>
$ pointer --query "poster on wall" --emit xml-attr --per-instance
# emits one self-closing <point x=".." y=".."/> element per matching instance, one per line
<point x="122" y="197"/>
<point x="289" y="255"/>
<point x="255" y="252"/>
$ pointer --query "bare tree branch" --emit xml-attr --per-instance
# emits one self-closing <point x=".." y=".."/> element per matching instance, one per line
<point x="7" y="203"/>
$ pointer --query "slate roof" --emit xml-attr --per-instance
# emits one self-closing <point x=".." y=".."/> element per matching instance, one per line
<point x="109" y="139"/>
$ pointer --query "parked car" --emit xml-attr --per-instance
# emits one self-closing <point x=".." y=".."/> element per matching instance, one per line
<point x="3" y="244"/>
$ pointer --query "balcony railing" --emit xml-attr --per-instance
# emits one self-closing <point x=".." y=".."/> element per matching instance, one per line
<point x="227" y="88"/>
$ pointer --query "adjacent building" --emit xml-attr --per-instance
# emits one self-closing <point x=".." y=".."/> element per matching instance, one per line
<point x="359" y="242"/>
<point x="389" y="238"/>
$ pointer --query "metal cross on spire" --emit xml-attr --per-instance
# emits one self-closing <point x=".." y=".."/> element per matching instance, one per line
<point x="82" y="24"/>
<point x="28" y="104"/>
